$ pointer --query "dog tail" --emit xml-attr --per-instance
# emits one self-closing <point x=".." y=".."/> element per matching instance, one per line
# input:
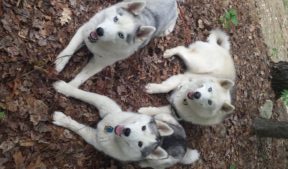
<point x="220" y="38"/>
<point x="190" y="156"/>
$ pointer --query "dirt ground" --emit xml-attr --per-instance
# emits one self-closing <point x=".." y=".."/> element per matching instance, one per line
<point x="34" y="32"/>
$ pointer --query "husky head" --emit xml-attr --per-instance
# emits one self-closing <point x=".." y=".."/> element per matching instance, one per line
<point x="121" y="27"/>
<point x="140" y="136"/>
<point x="208" y="97"/>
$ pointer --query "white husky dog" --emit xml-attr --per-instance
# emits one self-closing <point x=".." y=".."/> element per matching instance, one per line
<point x="202" y="94"/>
<point x="116" y="32"/>
<point x="154" y="141"/>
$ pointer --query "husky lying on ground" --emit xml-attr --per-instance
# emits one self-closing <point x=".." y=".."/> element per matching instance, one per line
<point x="202" y="94"/>
<point x="154" y="141"/>
<point x="116" y="32"/>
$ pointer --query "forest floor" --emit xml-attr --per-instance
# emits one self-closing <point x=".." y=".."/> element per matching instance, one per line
<point x="34" y="32"/>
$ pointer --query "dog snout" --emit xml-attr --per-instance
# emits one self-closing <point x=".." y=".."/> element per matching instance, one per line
<point x="127" y="132"/>
<point x="100" y="31"/>
<point x="194" y="95"/>
<point x="197" y="95"/>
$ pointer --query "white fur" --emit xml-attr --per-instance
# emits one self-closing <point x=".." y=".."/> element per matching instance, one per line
<point x="210" y="68"/>
<point x="109" y="48"/>
<point x="121" y="147"/>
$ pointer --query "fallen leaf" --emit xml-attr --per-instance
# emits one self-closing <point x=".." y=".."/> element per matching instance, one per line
<point x="19" y="160"/>
<point x="65" y="16"/>
<point x="38" y="110"/>
<point x="26" y="143"/>
<point x="38" y="164"/>
<point x="8" y="144"/>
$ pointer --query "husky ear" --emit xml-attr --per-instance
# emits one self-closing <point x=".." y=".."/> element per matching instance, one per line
<point x="135" y="7"/>
<point x="227" y="108"/>
<point x="158" y="153"/>
<point x="226" y="84"/>
<point x="163" y="128"/>
<point x="145" y="31"/>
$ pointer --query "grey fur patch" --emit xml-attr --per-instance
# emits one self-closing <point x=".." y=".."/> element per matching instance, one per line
<point x="130" y="39"/>
<point x="148" y="149"/>
<point x="176" y="144"/>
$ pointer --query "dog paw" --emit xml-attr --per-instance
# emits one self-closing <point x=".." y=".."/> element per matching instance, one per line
<point x="143" y="110"/>
<point x="61" y="62"/>
<point x="60" y="119"/>
<point x="151" y="88"/>
<point x="62" y="87"/>
<point x="190" y="156"/>
<point x="58" y="66"/>
<point x="168" y="53"/>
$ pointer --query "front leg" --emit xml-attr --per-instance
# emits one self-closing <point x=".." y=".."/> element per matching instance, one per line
<point x="166" y="86"/>
<point x="86" y="132"/>
<point x="104" y="104"/>
<point x="155" y="110"/>
<point x="76" y="42"/>
<point x="94" y="66"/>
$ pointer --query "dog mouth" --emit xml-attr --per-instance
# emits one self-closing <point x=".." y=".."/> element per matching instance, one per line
<point x="118" y="130"/>
<point x="93" y="37"/>
<point x="190" y="95"/>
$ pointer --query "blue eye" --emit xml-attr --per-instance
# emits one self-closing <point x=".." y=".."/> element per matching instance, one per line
<point x="115" y="19"/>
<point x="121" y="35"/>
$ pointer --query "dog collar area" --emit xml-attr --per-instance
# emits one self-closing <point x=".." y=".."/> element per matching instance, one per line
<point x="175" y="113"/>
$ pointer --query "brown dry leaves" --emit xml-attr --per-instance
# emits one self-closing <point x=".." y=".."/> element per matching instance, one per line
<point x="35" y="32"/>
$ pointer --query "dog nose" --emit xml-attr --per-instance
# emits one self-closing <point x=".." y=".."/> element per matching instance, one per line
<point x="197" y="95"/>
<point x="127" y="132"/>
<point x="194" y="95"/>
<point x="100" y="31"/>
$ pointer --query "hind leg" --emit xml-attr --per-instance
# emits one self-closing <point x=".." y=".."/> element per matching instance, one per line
<point x="193" y="63"/>
<point x="180" y="51"/>
<point x="183" y="52"/>
<point x="155" y="110"/>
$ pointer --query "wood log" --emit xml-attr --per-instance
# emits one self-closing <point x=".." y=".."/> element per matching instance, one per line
<point x="270" y="128"/>
<point x="279" y="81"/>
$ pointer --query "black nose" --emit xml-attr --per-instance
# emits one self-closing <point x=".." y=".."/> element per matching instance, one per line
<point x="197" y="95"/>
<point x="100" y="31"/>
<point x="127" y="132"/>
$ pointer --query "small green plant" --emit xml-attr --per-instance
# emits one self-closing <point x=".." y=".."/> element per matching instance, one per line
<point x="232" y="166"/>
<point x="274" y="52"/>
<point x="2" y="115"/>
<point x="285" y="3"/>
<point x="229" y="19"/>
<point x="284" y="97"/>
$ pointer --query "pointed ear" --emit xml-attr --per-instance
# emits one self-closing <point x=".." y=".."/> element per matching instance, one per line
<point x="158" y="153"/>
<point x="227" y="108"/>
<point x="163" y="128"/>
<point x="135" y="7"/>
<point x="145" y="31"/>
<point x="226" y="84"/>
